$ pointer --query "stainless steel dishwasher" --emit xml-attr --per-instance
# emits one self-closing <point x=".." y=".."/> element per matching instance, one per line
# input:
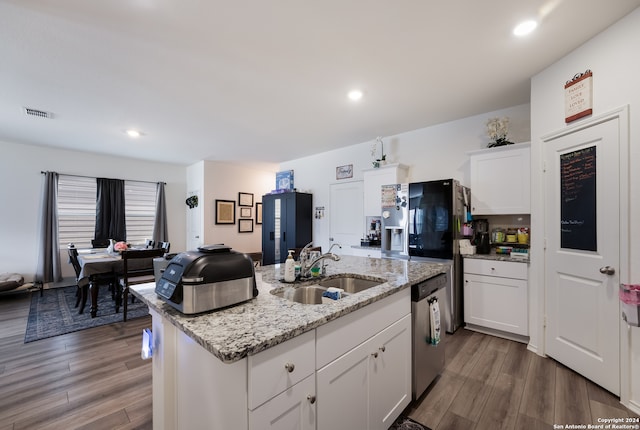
<point x="427" y="359"/>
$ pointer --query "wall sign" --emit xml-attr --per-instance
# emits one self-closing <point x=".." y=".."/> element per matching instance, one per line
<point x="578" y="200"/>
<point x="344" y="172"/>
<point x="578" y="96"/>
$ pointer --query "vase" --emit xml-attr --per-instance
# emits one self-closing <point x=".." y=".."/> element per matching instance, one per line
<point x="376" y="164"/>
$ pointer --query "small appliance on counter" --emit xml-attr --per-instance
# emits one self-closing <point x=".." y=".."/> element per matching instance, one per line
<point x="481" y="238"/>
<point x="212" y="277"/>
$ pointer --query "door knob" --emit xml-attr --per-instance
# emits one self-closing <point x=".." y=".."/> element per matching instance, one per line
<point x="311" y="398"/>
<point x="607" y="270"/>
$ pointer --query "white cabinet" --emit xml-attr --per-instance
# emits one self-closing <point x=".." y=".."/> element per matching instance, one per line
<point x="501" y="180"/>
<point x="374" y="179"/>
<point x="369" y="386"/>
<point x="293" y="409"/>
<point x="278" y="368"/>
<point x="281" y="385"/>
<point x="495" y="295"/>
<point x="361" y="360"/>
<point x="365" y="385"/>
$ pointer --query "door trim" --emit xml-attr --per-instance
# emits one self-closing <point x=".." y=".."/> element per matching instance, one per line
<point x="622" y="115"/>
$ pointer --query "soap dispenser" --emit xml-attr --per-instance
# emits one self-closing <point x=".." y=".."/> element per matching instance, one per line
<point x="289" y="268"/>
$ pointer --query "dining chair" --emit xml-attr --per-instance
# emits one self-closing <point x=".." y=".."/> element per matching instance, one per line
<point x="99" y="243"/>
<point x="83" y="292"/>
<point x="135" y="272"/>
<point x="149" y="243"/>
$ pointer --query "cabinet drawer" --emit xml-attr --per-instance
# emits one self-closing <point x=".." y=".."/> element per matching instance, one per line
<point x="278" y="368"/>
<point x="503" y="269"/>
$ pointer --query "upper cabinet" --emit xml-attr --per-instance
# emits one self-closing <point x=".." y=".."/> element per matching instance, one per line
<point x="501" y="180"/>
<point x="374" y="179"/>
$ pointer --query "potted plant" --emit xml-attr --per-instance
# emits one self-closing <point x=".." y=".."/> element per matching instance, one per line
<point x="497" y="129"/>
<point x="374" y="150"/>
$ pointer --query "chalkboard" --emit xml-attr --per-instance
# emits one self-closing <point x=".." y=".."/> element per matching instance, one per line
<point x="578" y="200"/>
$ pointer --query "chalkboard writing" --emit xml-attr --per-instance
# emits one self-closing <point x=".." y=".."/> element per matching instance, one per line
<point x="578" y="200"/>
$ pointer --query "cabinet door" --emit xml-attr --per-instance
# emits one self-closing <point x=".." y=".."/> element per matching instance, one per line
<point x="500" y="181"/>
<point x="498" y="303"/>
<point x="390" y="374"/>
<point x="374" y="179"/>
<point x="342" y="388"/>
<point x="294" y="409"/>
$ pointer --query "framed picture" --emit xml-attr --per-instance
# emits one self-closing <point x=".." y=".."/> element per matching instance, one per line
<point x="245" y="199"/>
<point x="258" y="213"/>
<point x="245" y="226"/>
<point x="245" y="212"/>
<point x="225" y="212"/>
<point x="344" y="172"/>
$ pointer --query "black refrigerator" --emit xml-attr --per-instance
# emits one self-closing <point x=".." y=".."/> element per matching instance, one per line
<point x="437" y="210"/>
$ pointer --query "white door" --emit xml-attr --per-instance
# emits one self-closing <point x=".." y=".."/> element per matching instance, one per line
<point x="582" y="185"/>
<point x="346" y="214"/>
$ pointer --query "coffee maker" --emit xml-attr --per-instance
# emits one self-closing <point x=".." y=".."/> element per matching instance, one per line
<point x="481" y="238"/>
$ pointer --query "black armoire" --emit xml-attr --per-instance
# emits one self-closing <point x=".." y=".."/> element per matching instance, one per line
<point x="286" y="224"/>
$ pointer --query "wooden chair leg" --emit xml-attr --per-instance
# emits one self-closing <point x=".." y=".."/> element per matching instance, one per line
<point x="78" y="296"/>
<point x="118" y="296"/>
<point x="125" y="297"/>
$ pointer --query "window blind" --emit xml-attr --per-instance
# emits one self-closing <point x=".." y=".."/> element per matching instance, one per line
<point x="77" y="210"/>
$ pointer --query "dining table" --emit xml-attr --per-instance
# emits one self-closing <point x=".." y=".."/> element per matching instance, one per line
<point x="94" y="262"/>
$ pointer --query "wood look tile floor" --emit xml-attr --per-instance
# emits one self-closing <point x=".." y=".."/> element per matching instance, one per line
<point x="490" y="383"/>
<point x="92" y="379"/>
<point x="95" y="379"/>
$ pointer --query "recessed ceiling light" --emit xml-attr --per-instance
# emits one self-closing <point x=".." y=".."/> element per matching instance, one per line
<point x="525" y="28"/>
<point x="133" y="133"/>
<point x="355" y="95"/>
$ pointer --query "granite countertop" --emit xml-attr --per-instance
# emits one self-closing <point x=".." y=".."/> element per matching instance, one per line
<point x="496" y="257"/>
<point x="232" y="333"/>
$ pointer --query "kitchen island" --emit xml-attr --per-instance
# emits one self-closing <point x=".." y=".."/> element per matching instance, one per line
<point x="216" y="370"/>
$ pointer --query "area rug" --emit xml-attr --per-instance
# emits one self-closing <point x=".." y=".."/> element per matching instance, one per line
<point x="54" y="313"/>
<point x="406" y="423"/>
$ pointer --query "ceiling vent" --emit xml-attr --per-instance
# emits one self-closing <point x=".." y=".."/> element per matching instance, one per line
<point x="37" y="113"/>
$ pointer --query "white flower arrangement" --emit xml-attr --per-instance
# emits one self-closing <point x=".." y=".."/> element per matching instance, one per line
<point x="497" y="129"/>
<point x="374" y="151"/>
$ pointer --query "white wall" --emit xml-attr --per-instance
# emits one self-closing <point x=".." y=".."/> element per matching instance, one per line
<point x="223" y="181"/>
<point x="436" y="152"/>
<point x="20" y="190"/>
<point x="611" y="56"/>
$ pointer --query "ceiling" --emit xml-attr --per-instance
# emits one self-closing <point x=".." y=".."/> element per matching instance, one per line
<point x="267" y="80"/>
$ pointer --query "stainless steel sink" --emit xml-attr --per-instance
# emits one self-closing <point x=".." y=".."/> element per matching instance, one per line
<point x="308" y="295"/>
<point x="312" y="294"/>
<point x="350" y="284"/>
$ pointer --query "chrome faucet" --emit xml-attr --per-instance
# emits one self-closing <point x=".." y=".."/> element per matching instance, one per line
<point x="304" y="254"/>
<point x="305" y="267"/>
<point x="324" y="263"/>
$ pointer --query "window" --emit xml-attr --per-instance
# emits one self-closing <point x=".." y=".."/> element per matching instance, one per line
<point x="77" y="210"/>
<point x="140" y="210"/>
